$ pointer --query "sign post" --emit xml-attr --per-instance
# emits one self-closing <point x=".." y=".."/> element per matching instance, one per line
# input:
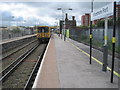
<point x="105" y="47"/>
<point x="91" y="34"/>
<point x="105" y="12"/>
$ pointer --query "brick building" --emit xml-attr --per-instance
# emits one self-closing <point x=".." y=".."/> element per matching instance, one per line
<point x="85" y="20"/>
<point x="69" y="24"/>
<point x="118" y="10"/>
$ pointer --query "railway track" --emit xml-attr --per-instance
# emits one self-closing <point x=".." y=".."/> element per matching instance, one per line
<point x="23" y="68"/>
<point x="14" y="50"/>
<point x="6" y="72"/>
<point x="32" y="76"/>
<point x="11" y="57"/>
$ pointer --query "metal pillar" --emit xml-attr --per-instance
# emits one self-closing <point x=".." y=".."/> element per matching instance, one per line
<point x="90" y="42"/>
<point x="91" y="34"/>
<point x="65" y="35"/>
<point x="63" y="11"/>
<point x="63" y="30"/>
<point x="105" y="47"/>
<point x="113" y="41"/>
<point x="64" y="26"/>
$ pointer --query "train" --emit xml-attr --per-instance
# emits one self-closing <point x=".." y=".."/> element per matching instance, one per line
<point x="43" y="33"/>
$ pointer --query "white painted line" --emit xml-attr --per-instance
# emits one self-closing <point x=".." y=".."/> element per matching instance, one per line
<point x="39" y="71"/>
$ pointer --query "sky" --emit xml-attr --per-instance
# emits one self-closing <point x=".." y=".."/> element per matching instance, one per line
<point x="43" y="13"/>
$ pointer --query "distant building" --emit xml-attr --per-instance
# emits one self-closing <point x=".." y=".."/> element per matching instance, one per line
<point x="118" y="10"/>
<point x="95" y="21"/>
<point x="69" y="24"/>
<point x="61" y="26"/>
<point x="85" y="20"/>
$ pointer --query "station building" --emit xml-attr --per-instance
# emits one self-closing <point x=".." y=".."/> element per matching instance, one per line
<point x="69" y="24"/>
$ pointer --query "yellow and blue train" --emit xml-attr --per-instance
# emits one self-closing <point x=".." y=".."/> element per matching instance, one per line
<point x="43" y="33"/>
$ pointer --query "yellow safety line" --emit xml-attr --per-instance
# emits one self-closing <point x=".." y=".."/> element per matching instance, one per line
<point x="108" y="68"/>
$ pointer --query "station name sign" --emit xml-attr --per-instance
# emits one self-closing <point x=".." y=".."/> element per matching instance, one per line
<point x="103" y="12"/>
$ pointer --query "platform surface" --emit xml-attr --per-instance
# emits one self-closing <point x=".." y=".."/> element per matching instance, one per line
<point x="15" y="38"/>
<point x="65" y="66"/>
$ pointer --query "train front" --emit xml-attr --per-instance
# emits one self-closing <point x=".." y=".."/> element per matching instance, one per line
<point x="43" y="33"/>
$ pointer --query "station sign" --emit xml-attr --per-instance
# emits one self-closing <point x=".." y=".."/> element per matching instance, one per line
<point x="103" y="12"/>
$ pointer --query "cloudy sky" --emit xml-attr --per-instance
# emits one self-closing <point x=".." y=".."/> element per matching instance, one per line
<point x="43" y="13"/>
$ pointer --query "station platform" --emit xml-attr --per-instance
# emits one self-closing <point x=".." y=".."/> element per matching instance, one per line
<point x="15" y="39"/>
<point x="65" y="65"/>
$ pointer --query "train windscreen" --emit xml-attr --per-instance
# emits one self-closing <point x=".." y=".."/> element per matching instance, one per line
<point x="43" y="29"/>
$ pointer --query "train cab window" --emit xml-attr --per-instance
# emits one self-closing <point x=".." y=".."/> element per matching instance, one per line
<point x="43" y="29"/>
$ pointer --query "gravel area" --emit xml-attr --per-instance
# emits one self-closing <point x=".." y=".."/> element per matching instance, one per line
<point x="7" y="61"/>
<point x="20" y="76"/>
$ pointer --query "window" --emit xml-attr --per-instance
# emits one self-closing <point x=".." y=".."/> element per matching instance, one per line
<point x="43" y="29"/>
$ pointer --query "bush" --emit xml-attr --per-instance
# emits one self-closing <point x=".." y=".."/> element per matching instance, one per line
<point x="118" y="21"/>
<point x="84" y="27"/>
<point x="100" y="23"/>
<point x="93" y="26"/>
<point x="16" y="30"/>
<point x="117" y="49"/>
<point x="110" y="22"/>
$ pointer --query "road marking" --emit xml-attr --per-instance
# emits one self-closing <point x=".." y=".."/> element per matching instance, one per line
<point x="108" y="68"/>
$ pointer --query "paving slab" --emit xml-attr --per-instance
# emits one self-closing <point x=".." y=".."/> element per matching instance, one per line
<point x="76" y="72"/>
<point x="65" y="66"/>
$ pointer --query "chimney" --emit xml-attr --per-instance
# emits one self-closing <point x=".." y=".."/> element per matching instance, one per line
<point x="73" y="17"/>
<point x="66" y="18"/>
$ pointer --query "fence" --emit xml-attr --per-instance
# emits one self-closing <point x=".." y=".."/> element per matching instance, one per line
<point x="82" y="35"/>
<point x="7" y="34"/>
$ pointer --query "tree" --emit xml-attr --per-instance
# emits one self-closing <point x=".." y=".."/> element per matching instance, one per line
<point x="118" y="21"/>
<point x="110" y="22"/>
<point x="16" y="30"/>
<point x="83" y="27"/>
<point x="100" y="23"/>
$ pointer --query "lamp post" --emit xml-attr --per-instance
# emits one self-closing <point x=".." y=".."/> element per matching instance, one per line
<point x="91" y="33"/>
<point x="10" y="19"/>
<point x="63" y="19"/>
<point x="57" y="26"/>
